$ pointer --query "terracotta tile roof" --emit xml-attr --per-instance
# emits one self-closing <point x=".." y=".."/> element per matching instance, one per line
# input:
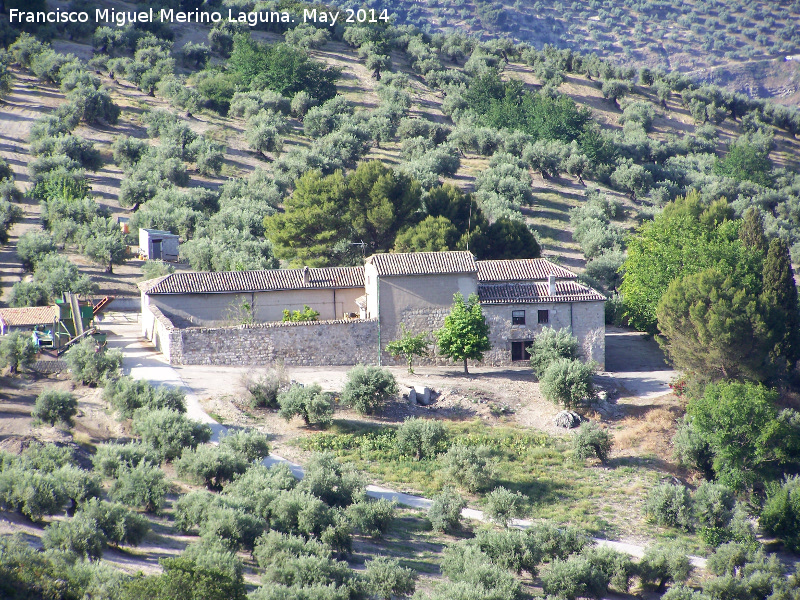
<point x="524" y="269"/>
<point x="31" y="315"/>
<point x="536" y="293"/>
<point x="206" y="282"/>
<point x="423" y="263"/>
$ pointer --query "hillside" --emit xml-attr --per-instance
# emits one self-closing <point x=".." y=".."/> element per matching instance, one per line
<point x="742" y="46"/>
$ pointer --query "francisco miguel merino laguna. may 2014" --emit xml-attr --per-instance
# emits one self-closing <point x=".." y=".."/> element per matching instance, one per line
<point x="123" y="18"/>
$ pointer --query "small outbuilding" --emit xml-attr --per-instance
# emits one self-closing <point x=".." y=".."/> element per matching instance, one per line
<point x="158" y="245"/>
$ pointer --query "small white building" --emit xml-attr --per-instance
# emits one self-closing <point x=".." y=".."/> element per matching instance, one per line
<point x="158" y="245"/>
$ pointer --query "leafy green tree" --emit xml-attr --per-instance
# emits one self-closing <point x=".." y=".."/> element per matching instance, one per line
<point x="751" y="232"/>
<point x="550" y="345"/>
<point x="746" y="160"/>
<point x="368" y="388"/>
<point x="32" y="246"/>
<point x="79" y="535"/>
<point x="309" y="403"/>
<point x="54" y="406"/>
<point x="17" y="351"/>
<point x="119" y="524"/>
<point x="104" y="242"/>
<point x="143" y="486"/>
<point x="371" y="518"/>
<point x="615" y="90"/>
<point x="264" y="131"/>
<point x="712" y="328"/>
<point x="433" y="234"/>
<point x="662" y="564"/>
<point x="90" y="365"/>
<point x="168" y="432"/>
<point x="111" y="458"/>
<point x="684" y="239"/>
<point x="670" y="505"/>
<point x="409" y="346"/>
<point x="465" y="334"/>
<point x="314" y="219"/>
<point x="740" y="423"/>
<point x="213" y="466"/>
<point x="281" y="68"/>
<point x="386" y="579"/>
<point x="568" y="381"/>
<point x="781" y="514"/>
<point x="779" y="298"/>
<point x="9" y="214"/>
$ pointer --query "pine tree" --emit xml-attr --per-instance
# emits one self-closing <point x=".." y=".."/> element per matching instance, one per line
<point x="779" y="298"/>
<point x="751" y="232"/>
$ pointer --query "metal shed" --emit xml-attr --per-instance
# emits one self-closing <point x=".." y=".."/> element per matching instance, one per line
<point x="158" y="245"/>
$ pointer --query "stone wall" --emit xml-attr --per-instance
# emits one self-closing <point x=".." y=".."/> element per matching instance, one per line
<point x="586" y="320"/>
<point x="158" y="328"/>
<point x="315" y="343"/>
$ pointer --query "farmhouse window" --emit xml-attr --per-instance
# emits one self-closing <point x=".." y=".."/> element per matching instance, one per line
<point x="544" y="317"/>
<point x="518" y="317"/>
<point x="519" y="350"/>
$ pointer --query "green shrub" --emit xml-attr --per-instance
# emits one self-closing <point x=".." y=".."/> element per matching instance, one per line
<point x="80" y="535"/>
<point x="309" y="403"/>
<point x="90" y="366"/>
<point x="264" y="388"/>
<point x="118" y="524"/>
<point x="503" y="506"/>
<point x="713" y="504"/>
<point x="470" y="466"/>
<point x="212" y="466"/>
<point x="32" y="493"/>
<point x="421" y="438"/>
<point x="670" y="505"/>
<point x="386" y="579"/>
<point x="252" y="444"/>
<point x="511" y="549"/>
<point x="274" y="547"/>
<point x="126" y="395"/>
<point x="557" y="542"/>
<point x="168" y="432"/>
<point x="781" y="513"/>
<point x="368" y="388"/>
<point x="235" y="529"/>
<point x="662" y="564"/>
<point x="550" y="345"/>
<point x="590" y="441"/>
<point x="617" y="568"/>
<point x="568" y="381"/>
<point x="445" y="511"/>
<point x="372" y="518"/>
<point x="111" y="457"/>
<point x="467" y="564"/>
<point x="573" y="578"/>
<point x="54" y="406"/>
<point x="298" y="512"/>
<point x="691" y="448"/>
<point x="152" y="269"/>
<point x="78" y="485"/>
<point x="142" y="486"/>
<point x="47" y="458"/>
<point x="334" y="483"/>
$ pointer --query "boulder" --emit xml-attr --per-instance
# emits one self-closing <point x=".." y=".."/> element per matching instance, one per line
<point x="412" y="396"/>
<point x="567" y="419"/>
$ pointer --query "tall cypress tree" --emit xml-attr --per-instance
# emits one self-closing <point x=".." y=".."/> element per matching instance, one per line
<point x="779" y="298"/>
<point x="751" y="232"/>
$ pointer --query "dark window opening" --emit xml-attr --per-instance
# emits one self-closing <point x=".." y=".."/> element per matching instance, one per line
<point x="518" y="317"/>
<point x="544" y="316"/>
<point x="519" y="350"/>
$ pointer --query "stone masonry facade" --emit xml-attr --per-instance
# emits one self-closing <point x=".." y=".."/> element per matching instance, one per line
<point x="332" y="343"/>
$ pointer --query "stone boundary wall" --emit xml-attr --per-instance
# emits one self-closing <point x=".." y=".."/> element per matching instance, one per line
<point x="157" y="328"/>
<point x="313" y="343"/>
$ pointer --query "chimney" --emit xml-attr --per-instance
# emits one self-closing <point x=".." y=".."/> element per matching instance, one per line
<point x="306" y="276"/>
<point x="551" y="280"/>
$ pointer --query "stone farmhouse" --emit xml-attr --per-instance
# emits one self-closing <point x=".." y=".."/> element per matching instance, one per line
<point x="235" y="318"/>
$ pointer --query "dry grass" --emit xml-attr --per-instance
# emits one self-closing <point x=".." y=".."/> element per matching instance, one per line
<point x="650" y="432"/>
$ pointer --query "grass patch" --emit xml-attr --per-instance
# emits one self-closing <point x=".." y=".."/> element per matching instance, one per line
<point x="603" y="501"/>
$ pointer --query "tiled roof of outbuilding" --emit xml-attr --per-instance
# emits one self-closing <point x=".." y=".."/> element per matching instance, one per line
<point x="523" y="269"/>
<point x="423" y="263"/>
<point x="31" y="315"/>
<point x="193" y="282"/>
<point x="536" y="293"/>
